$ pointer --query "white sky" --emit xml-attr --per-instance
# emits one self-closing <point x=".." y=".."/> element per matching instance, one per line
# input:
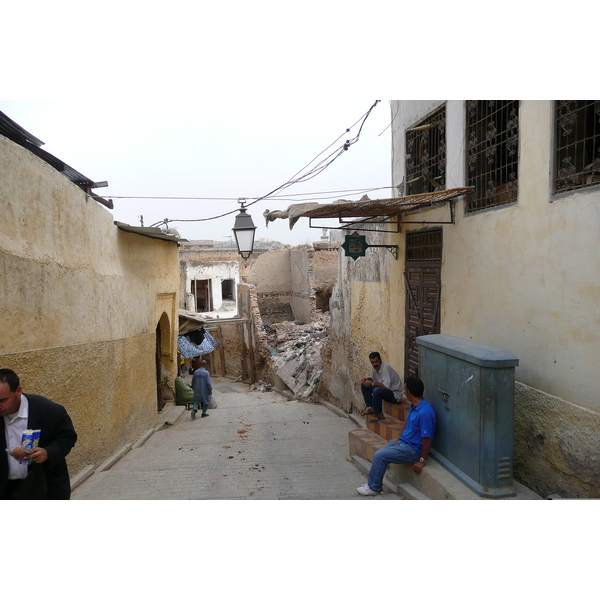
<point x="213" y="149"/>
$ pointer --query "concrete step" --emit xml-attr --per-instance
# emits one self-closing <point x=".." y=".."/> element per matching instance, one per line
<point x="409" y="492"/>
<point x="433" y="483"/>
<point x="364" y="443"/>
<point x="397" y="411"/>
<point x="388" y="428"/>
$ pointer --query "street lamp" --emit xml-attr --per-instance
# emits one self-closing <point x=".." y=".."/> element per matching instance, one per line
<point x="244" y="232"/>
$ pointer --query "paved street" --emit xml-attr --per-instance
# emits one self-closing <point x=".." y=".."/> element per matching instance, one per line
<point x="255" y="445"/>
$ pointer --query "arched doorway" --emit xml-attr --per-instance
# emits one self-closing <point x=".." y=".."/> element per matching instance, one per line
<point x="163" y="357"/>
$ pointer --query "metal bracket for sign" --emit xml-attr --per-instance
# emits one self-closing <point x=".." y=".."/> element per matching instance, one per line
<point x="393" y="250"/>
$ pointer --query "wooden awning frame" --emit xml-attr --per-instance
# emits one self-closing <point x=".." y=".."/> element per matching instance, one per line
<point x="384" y="211"/>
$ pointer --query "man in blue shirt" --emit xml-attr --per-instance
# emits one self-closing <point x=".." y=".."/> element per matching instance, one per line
<point x="412" y="447"/>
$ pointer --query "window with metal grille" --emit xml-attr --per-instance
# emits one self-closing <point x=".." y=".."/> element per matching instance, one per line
<point x="577" y="144"/>
<point x="492" y="152"/>
<point x="426" y="154"/>
<point x="423" y="246"/>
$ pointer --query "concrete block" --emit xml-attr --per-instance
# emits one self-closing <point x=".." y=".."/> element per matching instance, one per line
<point x="433" y="481"/>
<point x="338" y="411"/>
<point x="171" y="414"/>
<point x="142" y="440"/>
<point x="116" y="457"/>
<point x="82" y="476"/>
<point x="409" y="492"/>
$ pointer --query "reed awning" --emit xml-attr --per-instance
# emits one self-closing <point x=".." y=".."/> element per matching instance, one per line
<point x="366" y="209"/>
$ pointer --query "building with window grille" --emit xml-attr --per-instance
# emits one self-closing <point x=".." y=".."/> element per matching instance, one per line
<point x="514" y="263"/>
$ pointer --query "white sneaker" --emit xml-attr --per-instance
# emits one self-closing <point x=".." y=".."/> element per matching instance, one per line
<point x="365" y="490"/>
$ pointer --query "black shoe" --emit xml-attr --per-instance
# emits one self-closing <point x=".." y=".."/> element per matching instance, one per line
<point x="204" y="415"/>
<point x="194" y="414"/>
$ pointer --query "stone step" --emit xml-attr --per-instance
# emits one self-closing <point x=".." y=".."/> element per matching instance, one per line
<point x="410" y="492"/>
<point x="388" y="428"/>
<point x="397" y="411"/>
<point x="364" y="443"/>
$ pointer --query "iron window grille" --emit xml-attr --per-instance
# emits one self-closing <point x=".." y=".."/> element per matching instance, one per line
<point x="426" y="154"/>
<point x="577" y="144"/>
<point x="424" y="246"/>
<point x="492" y="152"/>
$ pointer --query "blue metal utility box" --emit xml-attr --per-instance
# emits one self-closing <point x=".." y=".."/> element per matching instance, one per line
<point x="471" y="389"/>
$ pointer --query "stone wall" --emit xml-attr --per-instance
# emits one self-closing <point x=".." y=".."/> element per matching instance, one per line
<point x="304" y="278"/>
<point x="81" y="302"/>
<point x="303" y="282"/>
<point x="555" y="445"/>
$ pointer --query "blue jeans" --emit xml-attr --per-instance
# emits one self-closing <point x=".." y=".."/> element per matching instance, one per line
<point x="374" y="397"/>
<point x="402" y="453"/>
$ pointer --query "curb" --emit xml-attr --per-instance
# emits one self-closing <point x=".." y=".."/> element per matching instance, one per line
<point x="338" y="411"/>
<point x="168" y="416"/>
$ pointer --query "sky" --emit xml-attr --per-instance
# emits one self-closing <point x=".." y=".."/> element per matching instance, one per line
<point x="217" y="151"/>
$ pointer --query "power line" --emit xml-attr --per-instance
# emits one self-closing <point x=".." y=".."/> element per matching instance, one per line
<point x="286" y="197"/>
<point x="316" y="170"/>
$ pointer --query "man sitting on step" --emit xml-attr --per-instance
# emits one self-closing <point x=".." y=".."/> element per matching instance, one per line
<point x="412" y="447"/>
<point x="384" y="384"/>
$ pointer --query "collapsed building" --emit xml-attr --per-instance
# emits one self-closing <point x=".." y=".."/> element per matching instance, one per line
<point x="275" y="337"/>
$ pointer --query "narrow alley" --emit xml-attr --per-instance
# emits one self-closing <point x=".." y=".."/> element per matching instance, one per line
<point x="254" y="445"/>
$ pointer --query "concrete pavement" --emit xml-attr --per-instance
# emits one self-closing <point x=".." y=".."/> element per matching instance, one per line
<point x="255" y="445"/>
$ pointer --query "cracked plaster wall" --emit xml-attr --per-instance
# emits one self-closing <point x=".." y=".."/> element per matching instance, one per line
<point x="523" y="277"/>
<point x="80" y="301"/>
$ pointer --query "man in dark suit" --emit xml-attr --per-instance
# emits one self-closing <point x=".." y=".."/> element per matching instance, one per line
<point x="46" y="476"/>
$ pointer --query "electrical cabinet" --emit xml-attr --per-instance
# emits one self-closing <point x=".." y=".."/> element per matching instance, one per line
<point x="471" y="389"/>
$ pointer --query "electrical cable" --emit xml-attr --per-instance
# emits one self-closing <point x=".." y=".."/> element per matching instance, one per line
<point x="316" y="170"/>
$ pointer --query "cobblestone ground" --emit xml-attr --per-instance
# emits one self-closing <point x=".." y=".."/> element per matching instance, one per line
<point x="255" y="445"/>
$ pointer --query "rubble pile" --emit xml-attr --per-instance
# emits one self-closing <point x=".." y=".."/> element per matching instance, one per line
<point x="261" y="386"/>
<point x="295" y="353"/>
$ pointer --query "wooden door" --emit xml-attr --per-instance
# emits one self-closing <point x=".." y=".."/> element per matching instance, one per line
<point x="423" y="292"/>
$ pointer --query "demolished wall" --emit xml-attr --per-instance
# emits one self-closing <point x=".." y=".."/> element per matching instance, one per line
<point x="304" y="278"/>
<point x="272" y="277"/>
<point x="291" y="350"/>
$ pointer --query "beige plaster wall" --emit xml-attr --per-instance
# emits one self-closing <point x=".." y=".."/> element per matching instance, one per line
<point x="81" y="301"/>
<point x="556" y="445"/>
<point x="365" y="317"/>
<point x="293" y="276"/>
<point x="303" y="282"/>
<point x="325" y="265"/>
<point x="524" y="277"/>
<point x="271" y="272"/>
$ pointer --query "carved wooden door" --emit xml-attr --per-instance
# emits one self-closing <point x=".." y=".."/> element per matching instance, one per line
<point x="423" y="292"/>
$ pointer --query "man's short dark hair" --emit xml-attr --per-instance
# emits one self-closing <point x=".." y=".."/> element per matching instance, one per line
<point x="374" y="355"/>
<point x="10" y="377"/>
<point x="415" y="386"/>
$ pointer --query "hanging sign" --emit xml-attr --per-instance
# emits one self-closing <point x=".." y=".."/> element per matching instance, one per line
<point x="355" y="245"/>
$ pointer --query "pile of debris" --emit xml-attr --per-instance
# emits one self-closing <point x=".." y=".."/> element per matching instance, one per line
<point x="261" y="386"/>
<point x="295" y="353"/>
